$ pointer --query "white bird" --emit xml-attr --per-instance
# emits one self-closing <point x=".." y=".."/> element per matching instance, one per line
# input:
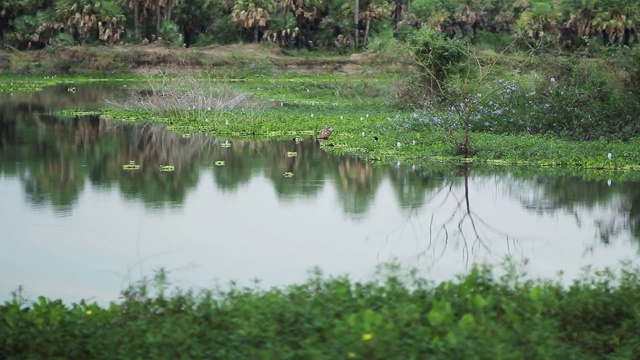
<point x="609" y="156"/>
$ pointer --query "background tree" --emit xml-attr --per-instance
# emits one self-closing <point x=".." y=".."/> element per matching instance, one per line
<point x="253" y="15"/>
<point x="308" y="14"/>
<point x="84" y="16"/>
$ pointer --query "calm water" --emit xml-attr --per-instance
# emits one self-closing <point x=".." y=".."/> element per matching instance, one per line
<point x="75" y="224"/>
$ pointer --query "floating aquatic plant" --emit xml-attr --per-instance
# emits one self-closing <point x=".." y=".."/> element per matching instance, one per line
<point x="166" y="168"/>
<point x="131" y="166"/>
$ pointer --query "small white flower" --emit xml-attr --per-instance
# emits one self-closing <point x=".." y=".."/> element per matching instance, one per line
<point x="367" y="115"/>
<point x="208" y="108"/>
<point x="413" y="142"/>
<point x="341" y="117"/>
<point x="363" y="133"/>
<point x="361" y="118"/>
<point x="552" y="79"/>
<point x="311" y="115"/>
<point x="398" y="144"/>
<point x="227" y="122"/>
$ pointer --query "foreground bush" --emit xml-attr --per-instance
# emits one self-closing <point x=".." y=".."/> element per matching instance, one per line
<point x="477" y="316"/>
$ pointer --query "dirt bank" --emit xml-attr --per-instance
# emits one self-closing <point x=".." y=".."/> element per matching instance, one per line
<point x="146" y="58"/>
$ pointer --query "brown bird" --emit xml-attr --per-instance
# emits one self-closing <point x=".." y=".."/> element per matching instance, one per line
<point x="325" y="132"/>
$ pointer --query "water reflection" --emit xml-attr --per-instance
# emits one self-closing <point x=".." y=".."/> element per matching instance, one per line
<point x="82" y="225"/>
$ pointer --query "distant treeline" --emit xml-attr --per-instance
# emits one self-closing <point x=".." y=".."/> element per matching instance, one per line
<point x="559" y="24"/>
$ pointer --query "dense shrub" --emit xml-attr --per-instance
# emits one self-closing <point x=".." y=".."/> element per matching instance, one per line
<point x="441" y="58"/>
<point x="575" y="100"/>
<point x="399" y="316"/>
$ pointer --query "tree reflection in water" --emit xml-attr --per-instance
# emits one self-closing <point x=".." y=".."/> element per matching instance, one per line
<point x="54" y="158"/>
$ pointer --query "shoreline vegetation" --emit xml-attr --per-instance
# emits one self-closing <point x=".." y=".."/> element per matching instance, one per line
<point x="533" y="110"/>
<point x="397" y="315"/>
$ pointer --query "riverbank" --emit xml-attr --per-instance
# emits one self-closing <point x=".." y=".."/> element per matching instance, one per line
<point x="397" y="316"/>
<point x="154" y="58"/>
<point x="370" y="100"/>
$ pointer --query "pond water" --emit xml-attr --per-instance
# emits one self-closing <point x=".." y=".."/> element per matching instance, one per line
<point x="86" y="209"/>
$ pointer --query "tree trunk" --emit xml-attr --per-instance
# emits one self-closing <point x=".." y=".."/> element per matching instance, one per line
<point x="366" y="30"/>
<point x="136" y="20"/>
<point x="355" y="23"/>
<point x="158" y="20"/>
<point x="167" y="16"/>
<point x="397" y="13"/>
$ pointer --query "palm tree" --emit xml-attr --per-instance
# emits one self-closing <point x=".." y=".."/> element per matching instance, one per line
<point x="616" y="20"/>
<point x="135" y="6"/>
<point x="308" y="14"/>
<point x="84" y="16"/>
<point x="253" y="14"/>
<point x="370" y="10"/>
<point x="539" y="21"/>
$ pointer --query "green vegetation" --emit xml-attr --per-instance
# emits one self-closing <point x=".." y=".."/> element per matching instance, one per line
<point x="313" y="24"/>
<point x="554" y="112"/>
<point x="18" y="84"/>
<point x="398" y="315"/>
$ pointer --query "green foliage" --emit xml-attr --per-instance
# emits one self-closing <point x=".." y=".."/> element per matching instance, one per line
<point x="224" y="31"/>
<point x="423" y="9"/>
<point x="570" y="99"/>
<point x="538" y="24"/>
<point x="498" y="42"/>
<point x="396" y="316"/>
<point x="170" y="32"/>
<point x="634" y="71"/>
<point x="440" y="57"/>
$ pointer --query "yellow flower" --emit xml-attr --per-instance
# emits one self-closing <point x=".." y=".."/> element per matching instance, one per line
<point x="89" y="312"/>
<point x="367" y="336"/>
<point x="352" y="355"/>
